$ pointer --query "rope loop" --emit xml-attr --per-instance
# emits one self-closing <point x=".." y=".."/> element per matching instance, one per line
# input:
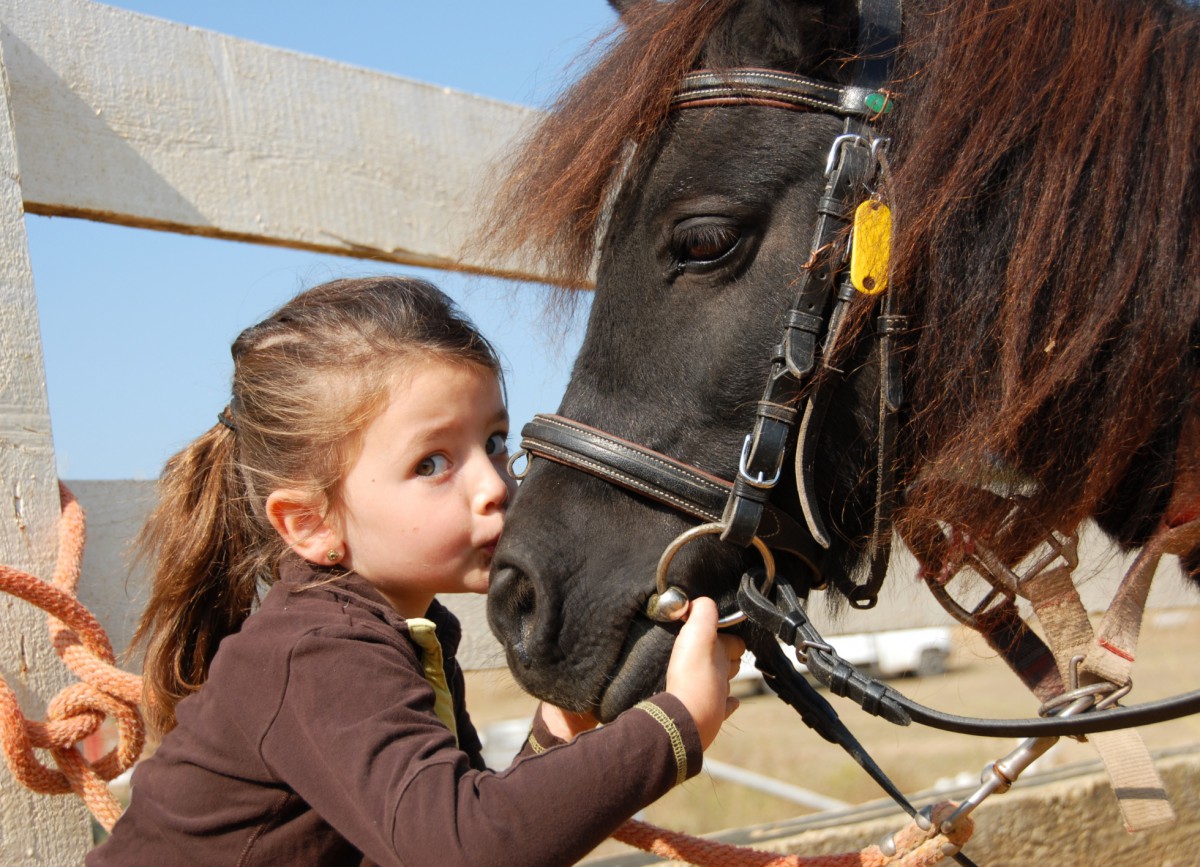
<point x="912" y="846"/>
<point x="79" y="709"/>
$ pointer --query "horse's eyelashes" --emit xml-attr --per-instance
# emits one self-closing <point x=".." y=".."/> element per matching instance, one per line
<point x="704" y="241"/>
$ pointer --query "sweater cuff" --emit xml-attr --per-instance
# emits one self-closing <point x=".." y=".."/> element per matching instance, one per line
<point x="540" y="738"/>
<point x="680" y="729"/>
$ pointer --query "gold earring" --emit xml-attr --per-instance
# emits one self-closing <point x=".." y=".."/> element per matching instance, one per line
<point x="334" y="555"/>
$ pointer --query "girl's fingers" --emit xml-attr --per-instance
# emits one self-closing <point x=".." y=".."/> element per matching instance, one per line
<point x="735" y="665"/>
<point x="704" y="611"/>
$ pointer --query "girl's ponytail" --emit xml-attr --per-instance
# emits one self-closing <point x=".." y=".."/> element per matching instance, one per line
<point x="196" y="543"/>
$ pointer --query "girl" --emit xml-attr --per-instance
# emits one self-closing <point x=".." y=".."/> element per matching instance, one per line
<point x="358" y="471"/>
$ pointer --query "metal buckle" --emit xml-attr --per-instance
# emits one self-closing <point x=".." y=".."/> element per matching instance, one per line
<point x="875" y="144"/>
<point x="744" y="473"/>
<point x="999" y="776"/>
<point x="1062" y="545"/>
<point x="1004" y="582"/>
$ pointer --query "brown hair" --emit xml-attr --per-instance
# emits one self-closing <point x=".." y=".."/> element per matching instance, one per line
<point x="1046" y="189"/>
<point x="307" y="381"/>
<point x="552" y="199"/>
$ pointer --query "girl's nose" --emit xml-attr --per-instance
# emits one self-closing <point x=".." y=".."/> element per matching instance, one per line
<point x="495" y="487"/>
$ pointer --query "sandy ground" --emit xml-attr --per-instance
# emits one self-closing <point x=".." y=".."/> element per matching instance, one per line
<point x="767" y="737"/>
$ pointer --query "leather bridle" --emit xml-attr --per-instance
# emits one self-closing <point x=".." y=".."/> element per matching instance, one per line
<point x="811" y="331"/>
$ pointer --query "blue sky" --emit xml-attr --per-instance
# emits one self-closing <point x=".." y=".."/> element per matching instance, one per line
<point x="136" y="325"/>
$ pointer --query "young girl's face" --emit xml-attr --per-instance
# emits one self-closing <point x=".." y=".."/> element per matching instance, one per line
<point x="423" y="504"/>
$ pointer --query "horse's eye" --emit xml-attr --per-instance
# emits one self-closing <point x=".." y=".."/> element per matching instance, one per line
<point x="703" y="242"/>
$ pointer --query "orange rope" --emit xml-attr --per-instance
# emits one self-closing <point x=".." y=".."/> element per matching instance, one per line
<point x="914" y="847"/>
<point x="79" y="709"/>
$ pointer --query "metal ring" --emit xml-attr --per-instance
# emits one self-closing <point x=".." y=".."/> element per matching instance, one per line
<point x="519" y="453"/>
<point x="668" y="554"/>
<point x="1094" y="692"/>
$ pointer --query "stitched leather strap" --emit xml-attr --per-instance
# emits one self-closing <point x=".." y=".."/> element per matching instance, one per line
<point x="656" y="476"/>
<point x="707" y="87"/>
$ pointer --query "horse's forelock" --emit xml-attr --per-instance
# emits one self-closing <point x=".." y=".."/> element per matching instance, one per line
<point x="552" y="200"/>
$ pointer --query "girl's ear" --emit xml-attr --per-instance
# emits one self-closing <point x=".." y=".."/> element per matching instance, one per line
<point x="304" y="526"/>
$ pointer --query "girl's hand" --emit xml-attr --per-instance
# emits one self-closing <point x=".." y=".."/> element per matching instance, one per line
<point x="703" y="662"/>
<point x="565" y="724"/>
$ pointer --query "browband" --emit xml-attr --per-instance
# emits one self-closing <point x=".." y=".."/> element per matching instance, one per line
<point x="706" y="87"/>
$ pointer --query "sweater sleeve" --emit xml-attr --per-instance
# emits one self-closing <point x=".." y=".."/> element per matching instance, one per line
<point x="468" y="736"/>
<point x="540" y="737"/>
<point x="382" y="769"/>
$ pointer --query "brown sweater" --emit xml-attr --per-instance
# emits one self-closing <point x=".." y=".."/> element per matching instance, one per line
<point x="315" y="741"/>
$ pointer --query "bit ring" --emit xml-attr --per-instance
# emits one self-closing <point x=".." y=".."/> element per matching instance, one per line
<point x="679" y="599"/>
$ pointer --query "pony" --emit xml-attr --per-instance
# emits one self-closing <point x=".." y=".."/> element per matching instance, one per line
<point x="1042" y="170"/>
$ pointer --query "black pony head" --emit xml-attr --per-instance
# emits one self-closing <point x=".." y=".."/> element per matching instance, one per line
<point x="1044" y="183"/>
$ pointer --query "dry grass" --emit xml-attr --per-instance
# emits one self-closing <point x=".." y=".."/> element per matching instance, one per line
<point x="767" y="737"/>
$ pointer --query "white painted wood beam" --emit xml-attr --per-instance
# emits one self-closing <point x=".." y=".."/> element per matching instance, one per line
<point x="134" y="120"/>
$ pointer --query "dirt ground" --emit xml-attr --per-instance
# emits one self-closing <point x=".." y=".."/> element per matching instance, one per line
<point x="767" y="737"/>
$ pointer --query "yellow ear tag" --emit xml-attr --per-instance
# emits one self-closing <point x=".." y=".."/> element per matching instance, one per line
<point x="871" y="247"/>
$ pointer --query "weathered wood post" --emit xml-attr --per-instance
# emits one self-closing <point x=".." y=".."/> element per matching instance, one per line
<point x="36" y="829"/>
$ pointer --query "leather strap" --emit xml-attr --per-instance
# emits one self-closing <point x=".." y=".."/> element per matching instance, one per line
<point x="879" y="29"/>
<point x="791" y="621"/>
<point x="710" y="87"/>
<point x="656" y="476"/>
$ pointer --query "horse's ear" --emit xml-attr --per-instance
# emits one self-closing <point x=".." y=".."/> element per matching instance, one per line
<point x="623" y="6"/>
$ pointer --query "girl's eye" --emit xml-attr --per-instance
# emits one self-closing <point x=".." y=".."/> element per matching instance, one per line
<point x="432" y="465"/>
<point x="497" y="444"/>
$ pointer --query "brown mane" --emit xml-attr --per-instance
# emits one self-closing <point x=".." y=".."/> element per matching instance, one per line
<point x="1046" y="186"/>
<point x="1047" y="189"/>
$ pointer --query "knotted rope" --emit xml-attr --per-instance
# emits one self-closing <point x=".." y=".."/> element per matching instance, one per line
<point x="913" y="846"/>
<point x="79" y="709"/>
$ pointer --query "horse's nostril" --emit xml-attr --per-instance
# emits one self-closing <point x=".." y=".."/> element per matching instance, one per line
<point x="512" y="609"/>
<point x="511" y="594"/>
